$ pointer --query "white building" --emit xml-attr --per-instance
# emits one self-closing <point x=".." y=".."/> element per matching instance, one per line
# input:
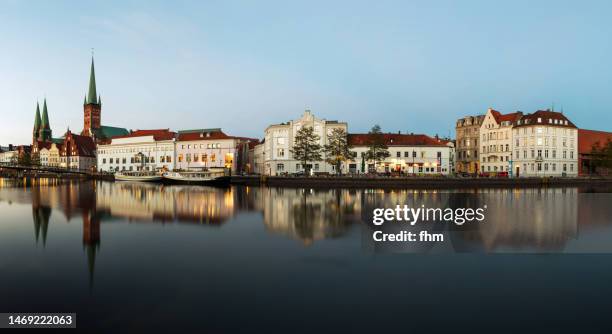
<point x="545" y="144"/>
<point x="139" y="150"/>
<point x="408" y="154"/>
<point x="205" y="148"/>
<point x="8" y="157"/>
<point x="279" y="140"/>
<point x="496" y="141"/>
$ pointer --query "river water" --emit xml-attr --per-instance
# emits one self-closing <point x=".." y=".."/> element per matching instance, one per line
<point x="129" y="257"/>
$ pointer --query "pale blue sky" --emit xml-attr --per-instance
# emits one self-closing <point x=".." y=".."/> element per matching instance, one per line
<point x="242" y="65"/>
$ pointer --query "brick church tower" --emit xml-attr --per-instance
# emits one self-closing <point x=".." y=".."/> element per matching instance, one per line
<point x="92" y="107"/>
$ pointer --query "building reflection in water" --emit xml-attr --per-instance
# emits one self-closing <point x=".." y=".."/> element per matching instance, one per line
<point x="532" y="220"/>
<point x="307" y="214"/>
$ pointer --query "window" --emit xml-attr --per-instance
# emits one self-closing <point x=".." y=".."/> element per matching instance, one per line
<point x="104" y="160"/>
<point x="280" y="167"/>
<point x="398" y="154"/>
<point x="316" y="166"/>
<point x="123" y="161"/>
<point x="414" y="154"/>
<point x="213" y="157"/>
<point x="539" y="166"/>
<point x="422" y="154"/>
<point x="168" y="159"/>
<point x="564" y="154"/>
<point x="406" y="154"/>
<point x="524" y="154"/>
<point x="546" y="154"/>
<point x="204" y="157"/>
<point x="281" y="152"/>
<point x="439" y="154"/>
<point x="180" y="158"/>
<point x="571" y="154"/>
<point x="196" y="157"/>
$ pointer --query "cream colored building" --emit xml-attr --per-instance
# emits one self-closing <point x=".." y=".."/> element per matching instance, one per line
<point x="205" y="148"/>
<point x="408" y="154"/>
<point x="496" y="141"/>
<point x="279" y="140"/>
<point x="545" y="144"/>
<point x="140" y="150"/>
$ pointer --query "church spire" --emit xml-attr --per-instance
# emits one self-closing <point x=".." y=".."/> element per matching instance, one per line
<point x="92" y="95"/>
<point x="37" y="121"/>
<point x="45" y="116"/>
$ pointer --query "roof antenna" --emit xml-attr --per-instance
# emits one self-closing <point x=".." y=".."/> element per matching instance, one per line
<point x="553" y="106"/>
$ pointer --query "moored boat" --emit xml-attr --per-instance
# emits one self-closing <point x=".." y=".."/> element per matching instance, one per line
<point x="200" y="177"/>
<point x="138" y="176"/>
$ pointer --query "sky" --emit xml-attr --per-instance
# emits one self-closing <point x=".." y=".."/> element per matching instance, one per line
<point x="410" y="66"/>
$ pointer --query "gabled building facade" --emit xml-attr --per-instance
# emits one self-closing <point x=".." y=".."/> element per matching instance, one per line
<point x="545" y="144"/>
<point x="467" y="137"/>
<point x="279" y="140"/>
<point x="496" y="141"/>
<point x="77" y="152"/>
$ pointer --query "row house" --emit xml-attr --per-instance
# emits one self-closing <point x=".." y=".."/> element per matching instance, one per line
<point x="49" y="155"/>
<point x="77" y="152"/>
<point x="211" y="148"/>
<point x="408" y="154"/>
<point x="279" y="139"/>
<point x="467" y="132"/>
<point x="496" y="141"/>
<point x="545" y="144"/>
<point x="146" y="150"/>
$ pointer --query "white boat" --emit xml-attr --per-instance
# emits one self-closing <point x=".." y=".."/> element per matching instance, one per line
<point x="138" y="176"/>
<point x="203" y="177"/>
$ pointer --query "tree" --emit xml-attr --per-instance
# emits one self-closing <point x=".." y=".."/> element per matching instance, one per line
<point x="377" y="149"/>
<point x="24" y="159"/>
<point x="337" y="150"/>
<point x="306" y="147"/>
<point x="602" y="156"/>
<point x="35" y="159"/>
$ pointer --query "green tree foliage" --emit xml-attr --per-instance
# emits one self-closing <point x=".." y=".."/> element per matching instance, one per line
<point x="337" y="150"/>
<point x="306" y="147"/>
<point x="377" y="149"/>
<point x="602" y="156"/>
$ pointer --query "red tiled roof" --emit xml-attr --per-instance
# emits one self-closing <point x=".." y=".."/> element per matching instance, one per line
<point x="84" y="145"/>
<point x="390" y="139"/>
<point x="158" y="134"/>
<point x="588" y="138"/>
<point x="545" y="115"/>
<point x="511" y="117"/>
<point x="201" y="135"/>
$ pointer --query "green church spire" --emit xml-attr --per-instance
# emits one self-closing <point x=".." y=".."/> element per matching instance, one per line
<point x="45" y="116"/>
<point x="37" y="121"/>
<point x="92" y="95"/>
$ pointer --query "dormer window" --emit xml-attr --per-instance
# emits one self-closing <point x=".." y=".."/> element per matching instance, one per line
<point x="539" y="119"/>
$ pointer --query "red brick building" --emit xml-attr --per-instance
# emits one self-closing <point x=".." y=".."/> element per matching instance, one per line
<point x="586" y="140"/>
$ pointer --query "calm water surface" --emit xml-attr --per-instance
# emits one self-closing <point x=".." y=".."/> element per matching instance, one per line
<point x="130" y="257"/>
